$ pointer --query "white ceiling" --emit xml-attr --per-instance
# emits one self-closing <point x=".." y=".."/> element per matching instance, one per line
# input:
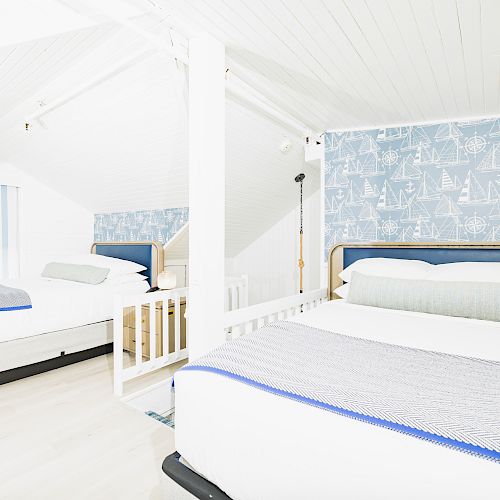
<point x="119" y="143"/>
<point x="360" y="63"/>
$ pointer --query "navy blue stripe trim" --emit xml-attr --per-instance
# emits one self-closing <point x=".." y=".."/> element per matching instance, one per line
<point x="467" y="447"/>
<point x="15" y="308"/>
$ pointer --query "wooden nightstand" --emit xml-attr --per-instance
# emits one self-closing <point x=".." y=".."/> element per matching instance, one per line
<point x="129" y="328"/>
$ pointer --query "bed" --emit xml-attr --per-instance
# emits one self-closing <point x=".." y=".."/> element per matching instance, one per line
<point x="69" y="321"/>
<point x="272" y="447"/>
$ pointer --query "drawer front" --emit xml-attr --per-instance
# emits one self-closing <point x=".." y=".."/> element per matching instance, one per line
<point x="129" y="342"/>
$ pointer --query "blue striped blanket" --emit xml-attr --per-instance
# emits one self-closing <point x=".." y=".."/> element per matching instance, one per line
<point x="449" y="400"/>
<point x="13" y="299"/>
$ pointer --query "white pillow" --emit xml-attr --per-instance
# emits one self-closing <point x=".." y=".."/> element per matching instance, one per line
<point x="388" y="268"/>
<point x="488" y="272"/>
<point x="342" y="291"/>
<point x="125" y="279"/>
<point x="117" y="267"/>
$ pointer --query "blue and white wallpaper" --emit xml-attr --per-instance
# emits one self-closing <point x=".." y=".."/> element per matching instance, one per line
<point x="416" y="183"/>
<point x="144" y="225"/>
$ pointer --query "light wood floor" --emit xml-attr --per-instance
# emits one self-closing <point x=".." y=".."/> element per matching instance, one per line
<point x="64" y="436"/>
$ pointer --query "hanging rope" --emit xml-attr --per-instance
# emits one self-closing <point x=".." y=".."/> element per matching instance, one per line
<point x="300" y="178"/>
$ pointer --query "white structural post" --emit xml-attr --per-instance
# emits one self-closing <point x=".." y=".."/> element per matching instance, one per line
<point x="206" y="194"/>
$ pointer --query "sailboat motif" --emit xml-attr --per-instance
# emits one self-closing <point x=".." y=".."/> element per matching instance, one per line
<point x="449" y="184"/>
<point x="453" y="153"/>
<point x="372" y="166"/>
<point x="349" y="232"/>
<point x="425" y="231"/>
<point x="351" y="167"/>
<point x="403" y="199"/>
<point x="388" y="199"/>
<point x="370" y="191"/>
<point x="369" y="231"/>
<point x="353" y="198"/>
<point x="368" y="145"/>
<point x="368" y="212"/>
<point x="473" y="123"/>
<point x="472" y="191"/>
<point x="451" y="230"/>
<point x="428" y="189"/>
<point x="391" y="133"/>
<point x="343" y="151"/>
<point x="414" y="211"/>
<point x="354" y="135"/>
<point x="426" y="155"/>
<point x="493" y="194"/>
<point x="331" y="205"/>
<point x="446" y="207"/>
<point x="336" y="178"/>
<point x="407" y="170"/>
<point x="491" y="160"/>
<point x="406" y="235"/>
<point x="343" y="216"/>
<point x="494" y="234"/>
<point x="447" y="131"/>
<point x="495" y="211"/>
<point x="495" y="128"/>
<point x="414" y="138"/>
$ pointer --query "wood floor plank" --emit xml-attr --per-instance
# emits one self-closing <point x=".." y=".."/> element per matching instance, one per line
<point x="64" y="435"/>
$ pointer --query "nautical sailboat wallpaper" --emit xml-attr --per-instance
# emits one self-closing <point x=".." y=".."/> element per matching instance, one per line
<point x="143" y="225"/>
<point x="436" y="182"/>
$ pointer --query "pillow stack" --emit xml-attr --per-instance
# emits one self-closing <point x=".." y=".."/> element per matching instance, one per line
<point x="95" y="269"/>
<point x="463" y="289"/>
<point x="388" y="268"/>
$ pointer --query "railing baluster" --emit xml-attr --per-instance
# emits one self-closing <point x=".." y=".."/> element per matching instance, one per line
<point x="118" y="347"/>
<point x="234" y="298"/>
<point x="138" y="336"/>
<point x="152" y="331"/>
<point x="165" y="328"/>
<point x="177" y="318"/>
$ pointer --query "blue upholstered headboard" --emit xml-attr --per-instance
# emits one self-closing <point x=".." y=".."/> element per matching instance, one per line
<point x="344" y="255"/>
<point x="148" y="254"/>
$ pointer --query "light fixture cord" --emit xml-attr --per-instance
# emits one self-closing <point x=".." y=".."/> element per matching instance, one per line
<point x="301" y="261"/>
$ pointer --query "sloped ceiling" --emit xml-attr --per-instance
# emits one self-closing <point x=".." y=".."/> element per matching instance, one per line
<point x="359" y="63"/>
<point x="120" y="144"/>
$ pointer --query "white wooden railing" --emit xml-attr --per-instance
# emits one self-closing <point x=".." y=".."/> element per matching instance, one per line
<point x="241" y="321"/>
<point x="236" y="296"/>
<point x="141" y="367"/>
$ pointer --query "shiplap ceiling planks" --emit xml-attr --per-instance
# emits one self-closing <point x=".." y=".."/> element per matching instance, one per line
<point x="342" y="64"/>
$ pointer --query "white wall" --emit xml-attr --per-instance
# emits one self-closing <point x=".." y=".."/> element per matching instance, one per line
<point x="50" y="225"/>
<point x="271" y="260"/>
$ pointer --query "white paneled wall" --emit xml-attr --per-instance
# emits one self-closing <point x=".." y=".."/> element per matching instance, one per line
<point x="271" y="260"/>
<point x="50" y="225"/>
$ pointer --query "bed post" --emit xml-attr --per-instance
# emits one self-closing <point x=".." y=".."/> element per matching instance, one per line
<point x="206" y="194"/>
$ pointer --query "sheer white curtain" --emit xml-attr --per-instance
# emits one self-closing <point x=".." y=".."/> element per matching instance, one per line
<point x="9" y="232"/>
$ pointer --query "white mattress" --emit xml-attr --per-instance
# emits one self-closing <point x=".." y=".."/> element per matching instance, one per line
<point x="255" y="445"/>
<point x="59" y="305"/>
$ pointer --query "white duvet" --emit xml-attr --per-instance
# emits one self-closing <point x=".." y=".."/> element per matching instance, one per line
<point x="59" y="305"/>
<point x="258" y="446"/>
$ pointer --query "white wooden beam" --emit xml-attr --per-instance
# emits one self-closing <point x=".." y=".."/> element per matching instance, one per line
<point x="206" y="194"/>
<point x="237" y="88"/>
<point x="96" y="80"/>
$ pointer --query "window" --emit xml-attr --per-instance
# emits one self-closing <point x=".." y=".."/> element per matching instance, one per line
<point x="9" y="232"/>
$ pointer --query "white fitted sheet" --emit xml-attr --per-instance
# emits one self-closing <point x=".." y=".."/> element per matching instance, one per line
<point x="256" y="445"/>
<point x="60" y="305"/>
